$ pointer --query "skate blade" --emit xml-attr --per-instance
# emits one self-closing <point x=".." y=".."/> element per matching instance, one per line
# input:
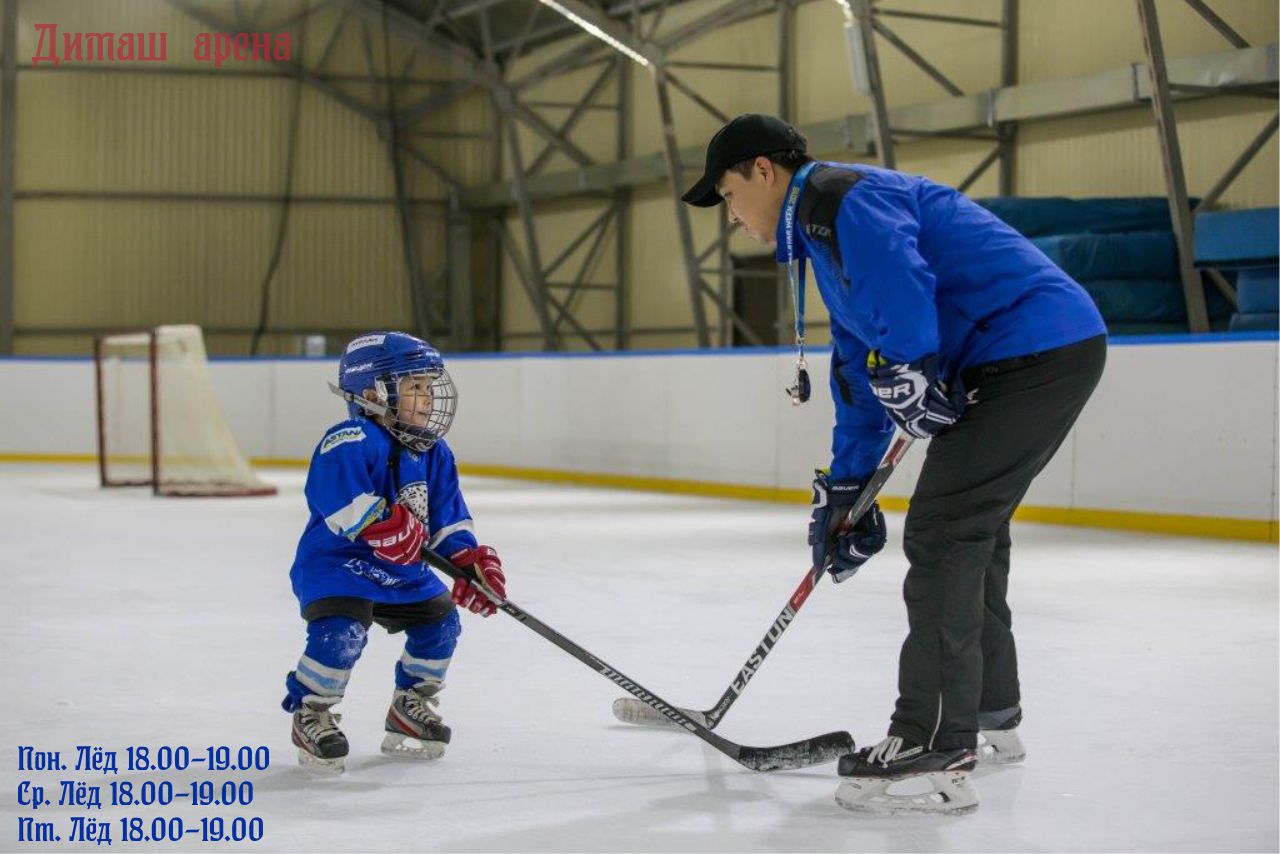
<point x="1000" y="748"/>
<point x="319" y="764"/>
<point x="407" y="747"/>
<point x="629" y="710"/>
<point x="949" y="793"/>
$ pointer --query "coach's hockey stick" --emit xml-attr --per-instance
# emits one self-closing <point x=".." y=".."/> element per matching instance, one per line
<point x="810" y="751"/>
<point x="629" y="711"/>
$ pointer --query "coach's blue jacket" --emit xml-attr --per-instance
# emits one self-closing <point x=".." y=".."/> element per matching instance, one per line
<point x="909" y="267"/>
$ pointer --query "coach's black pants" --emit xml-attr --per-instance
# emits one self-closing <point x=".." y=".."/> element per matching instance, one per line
<point x="959" y="657"/>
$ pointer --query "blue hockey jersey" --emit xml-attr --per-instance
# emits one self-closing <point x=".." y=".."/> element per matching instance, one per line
<point x="357" y="471"/>
<point x="909" y="267"/>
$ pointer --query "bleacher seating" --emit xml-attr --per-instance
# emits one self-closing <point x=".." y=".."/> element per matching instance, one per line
<point x="1245" y="243"/>
<point x="1121" y="250"/>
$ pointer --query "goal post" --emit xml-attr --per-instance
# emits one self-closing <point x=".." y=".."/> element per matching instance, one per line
<point x="159" y="424"/>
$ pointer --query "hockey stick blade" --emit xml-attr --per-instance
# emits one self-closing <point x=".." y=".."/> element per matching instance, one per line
<point x="632" y="711"/>
<point x="799" y="754"/>
<point x="811" y="751"/>
<point x="629" y="710"/>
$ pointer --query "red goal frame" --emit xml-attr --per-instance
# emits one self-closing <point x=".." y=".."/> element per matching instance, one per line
<point x="181" y="489"/>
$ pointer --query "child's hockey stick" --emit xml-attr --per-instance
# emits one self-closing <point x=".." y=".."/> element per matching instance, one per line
<point x="629" y="711"/>
<point x="810" y="751"/>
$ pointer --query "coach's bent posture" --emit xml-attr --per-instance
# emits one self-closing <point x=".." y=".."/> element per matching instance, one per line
<point x="951" y="325"/>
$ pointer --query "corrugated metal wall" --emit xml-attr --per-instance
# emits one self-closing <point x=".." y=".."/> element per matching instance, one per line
<point x="84" y="129"/>
<point x="217" y="142"/>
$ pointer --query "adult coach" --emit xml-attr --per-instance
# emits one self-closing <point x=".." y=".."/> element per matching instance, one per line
<point x="952" y="326"/>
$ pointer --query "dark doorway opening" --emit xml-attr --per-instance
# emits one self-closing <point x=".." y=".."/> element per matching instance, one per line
<point x="759" y="299"/>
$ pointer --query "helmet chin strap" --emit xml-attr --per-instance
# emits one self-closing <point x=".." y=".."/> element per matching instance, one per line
<point x="372" y="407"/>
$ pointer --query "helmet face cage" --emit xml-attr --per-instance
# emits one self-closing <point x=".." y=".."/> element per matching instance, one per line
<point x="433" y="403"/>
<point x="385" y="363"/>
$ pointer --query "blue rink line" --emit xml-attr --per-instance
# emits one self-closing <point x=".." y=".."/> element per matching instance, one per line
<point x="1113" y="341"/>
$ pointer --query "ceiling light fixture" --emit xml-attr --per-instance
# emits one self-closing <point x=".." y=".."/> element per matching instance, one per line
<point x="596" y="31"/>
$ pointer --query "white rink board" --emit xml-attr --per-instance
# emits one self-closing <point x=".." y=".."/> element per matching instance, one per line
<point x="1155" y="433"/>
<point x="1173" y="428"/>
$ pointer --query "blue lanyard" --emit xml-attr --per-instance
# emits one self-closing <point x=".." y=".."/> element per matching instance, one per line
<point x="800" y="389"/>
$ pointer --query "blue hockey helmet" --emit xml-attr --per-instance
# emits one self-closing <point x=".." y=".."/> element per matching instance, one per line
<point x="414" y="397"/>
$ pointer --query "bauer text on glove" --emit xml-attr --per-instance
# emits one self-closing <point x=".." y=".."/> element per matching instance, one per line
<point x="914" y="397"/>
<point x="398" y="538"/>
<point x="841" y="549"/>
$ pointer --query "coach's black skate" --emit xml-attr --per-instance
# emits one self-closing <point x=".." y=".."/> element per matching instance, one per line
<point x="414" y="729"/>
<point x="320" y="743"/>
<point x="998" y="741"/>
<point x="897" y="776"/>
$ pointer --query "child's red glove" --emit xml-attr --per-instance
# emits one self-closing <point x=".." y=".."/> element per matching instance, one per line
<point x="483" y="560"/>
<point x="398" y="538"/>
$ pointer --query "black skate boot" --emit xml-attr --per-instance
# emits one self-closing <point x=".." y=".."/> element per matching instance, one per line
<point x="998" y="741"/>
<point x="414" y="729"/>
<point x="897" y="776"/>
<point x="320" y="743"/>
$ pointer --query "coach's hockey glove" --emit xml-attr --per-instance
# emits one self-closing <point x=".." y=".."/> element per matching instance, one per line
<point x="915" y="399"/>
<point x="397" y="538"/>
<point x="482" y="560"/>
<point x="841" y="550"/>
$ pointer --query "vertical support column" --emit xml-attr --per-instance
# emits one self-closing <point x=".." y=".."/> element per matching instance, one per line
<point x="492" y="224"/>
<point x="865" y="64"/>
<point x="1008" y="131"/>
<point x="1171" y="158"/>
<point x="786" y="61"/>
<point x="537" y="282"/>
<point x="8" y="169"/>
<point x="417" y="291"/>
<point x="459" y="279"/>
<point x="622" y="202"/>
<point x="675" y="179"/>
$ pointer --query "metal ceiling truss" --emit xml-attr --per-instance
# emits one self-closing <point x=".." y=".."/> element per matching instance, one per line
<point x="555" y="300"/>
<point x="556" y="294"/>
<point x="864" y="21"/>
<point x="643" y="44"/>
<point x="482" y="44"/>
<point x="989" y="115"/>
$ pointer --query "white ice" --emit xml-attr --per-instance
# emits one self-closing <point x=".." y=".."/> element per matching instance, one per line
<point x="1149" y="673"/>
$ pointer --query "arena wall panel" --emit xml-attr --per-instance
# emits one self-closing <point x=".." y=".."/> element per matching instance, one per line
<point x="1179" y="437"/>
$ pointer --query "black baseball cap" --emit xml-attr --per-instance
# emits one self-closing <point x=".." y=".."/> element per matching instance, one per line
<point x="746" y="137"/>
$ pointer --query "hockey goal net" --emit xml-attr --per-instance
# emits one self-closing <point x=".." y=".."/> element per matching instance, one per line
<point x="159" y="424"/>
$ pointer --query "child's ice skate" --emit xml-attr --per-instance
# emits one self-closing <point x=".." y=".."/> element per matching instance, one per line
<point x="320" y="743"/>
<point x="414" y="729"/>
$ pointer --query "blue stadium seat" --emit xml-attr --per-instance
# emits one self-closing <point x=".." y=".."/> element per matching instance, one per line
<point x="1246" y="243"/>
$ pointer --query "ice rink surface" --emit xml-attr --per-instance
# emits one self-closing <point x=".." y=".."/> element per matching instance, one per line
<point x="1149" y="673"/>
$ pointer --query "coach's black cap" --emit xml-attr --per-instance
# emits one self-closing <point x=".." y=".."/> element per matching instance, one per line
<point x="743" y="138"/>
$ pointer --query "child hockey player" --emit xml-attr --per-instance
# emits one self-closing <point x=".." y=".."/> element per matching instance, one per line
<point x="380" y="485"/>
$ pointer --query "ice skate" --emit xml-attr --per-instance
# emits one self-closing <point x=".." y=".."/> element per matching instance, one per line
<point x="321" y="745"/>
<point x="414" y="729"/>
<point x="1000" y="744"/>
<point x="897" y="776"/>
